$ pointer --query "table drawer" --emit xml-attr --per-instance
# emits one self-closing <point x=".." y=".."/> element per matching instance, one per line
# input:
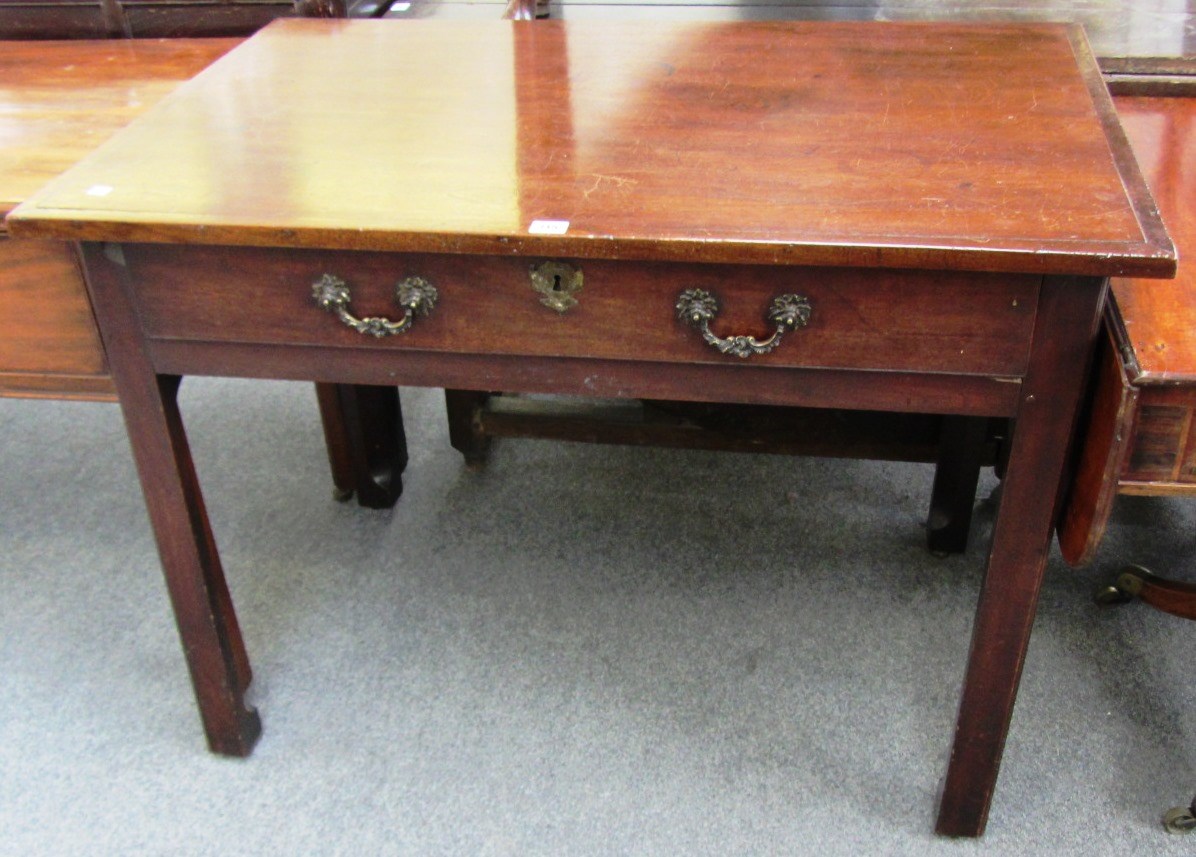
<point x="858" y="318"/>
<point x="1162" y="445"/>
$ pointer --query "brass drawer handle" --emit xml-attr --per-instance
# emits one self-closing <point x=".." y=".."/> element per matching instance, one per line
<point x="415" y="295"/>
<point x="697" y="308"/>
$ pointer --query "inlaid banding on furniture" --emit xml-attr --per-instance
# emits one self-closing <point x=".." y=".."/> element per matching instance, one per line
<point x="697" y="308"/>
<point x="415" y="295"/>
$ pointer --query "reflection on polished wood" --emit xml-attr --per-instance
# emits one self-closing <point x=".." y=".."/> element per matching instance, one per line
<point x="963" y="167"/>
<point x="48" y="340"/>
<point x="1163" y="335"/>
<point x="58" y="101"/>
<point x="1139" y="438"/>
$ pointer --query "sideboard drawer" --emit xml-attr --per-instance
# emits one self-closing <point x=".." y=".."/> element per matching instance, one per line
<point x="954" y="322"/>
<point x="49" y="345"/>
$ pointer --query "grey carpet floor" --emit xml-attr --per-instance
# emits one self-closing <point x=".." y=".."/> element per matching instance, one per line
<point x="582" y="650"/>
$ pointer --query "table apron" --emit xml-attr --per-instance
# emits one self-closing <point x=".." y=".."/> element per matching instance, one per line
<point x="743" y="384"/>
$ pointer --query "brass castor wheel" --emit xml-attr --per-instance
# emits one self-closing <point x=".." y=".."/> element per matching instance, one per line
<point x="1125" y="590"/>
<point x="1179" y="819"/>
<point x="342" y="495"/>
<point x="1111" y="596"/>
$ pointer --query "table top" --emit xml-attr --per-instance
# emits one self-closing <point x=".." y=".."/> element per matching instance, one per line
<point x="59" y="100"/>
<point x="1159" y="318"/>
<point x="977" y="147"/>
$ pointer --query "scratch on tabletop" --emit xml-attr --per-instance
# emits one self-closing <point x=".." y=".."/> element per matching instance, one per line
<point x="599" y="178"/>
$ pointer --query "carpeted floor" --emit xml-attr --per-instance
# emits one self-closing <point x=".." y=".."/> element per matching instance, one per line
<point x="582" y="650"/>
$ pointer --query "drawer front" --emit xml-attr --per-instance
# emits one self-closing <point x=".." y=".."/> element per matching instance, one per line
<point x="1162" y="448"/>
<point x="46" y="325"/>
<point x="869" y="319"/>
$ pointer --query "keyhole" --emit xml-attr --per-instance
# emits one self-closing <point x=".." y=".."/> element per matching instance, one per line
<point x="555" y="282"/>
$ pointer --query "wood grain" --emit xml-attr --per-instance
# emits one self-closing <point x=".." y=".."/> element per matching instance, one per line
<point x="986" y="150"/>
<point x="872" y="145"/>
<point x="1162" y="448"/>
<point x="46" y="326"/>
<point x="59" y="100"/>
<point x="905" y="392"/>
<point x="203" y="608"/>
<point x="625" y="310"/>
<point x="1106" y="437"/>
<point x="1160" y="317"/>
<point x="1138" y="436"/>
<point x="1021" y="540"/>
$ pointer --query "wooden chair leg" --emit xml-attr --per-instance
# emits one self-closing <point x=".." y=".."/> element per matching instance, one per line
<point x="367" y="447"/>
<point x="465" y="432"/>
<point x="961" y="450"/>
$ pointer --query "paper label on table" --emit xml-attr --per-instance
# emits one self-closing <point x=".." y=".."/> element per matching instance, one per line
<point x="548" y="227"/>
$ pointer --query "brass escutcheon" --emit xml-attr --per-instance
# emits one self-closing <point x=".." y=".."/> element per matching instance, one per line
<point x="556" y="282"/>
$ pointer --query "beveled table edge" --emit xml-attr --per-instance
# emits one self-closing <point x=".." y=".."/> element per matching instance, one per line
<point x="1085" y="258"/>
<point x="1154" y="256"/>
<point x="1141" y="200"/>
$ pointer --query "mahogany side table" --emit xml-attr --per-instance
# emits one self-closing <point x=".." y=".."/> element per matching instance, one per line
<point x="860" y="216"/>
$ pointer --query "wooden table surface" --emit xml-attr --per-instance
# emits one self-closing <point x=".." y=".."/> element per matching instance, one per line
<point x="60" y="100"/>
<point x="869" y="144"/>
<point x="1138" y="438"/>
<point x="1160" y="317"/>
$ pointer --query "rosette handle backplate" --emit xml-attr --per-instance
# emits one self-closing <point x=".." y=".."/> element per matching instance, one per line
<point x="415" y="295"/>
<point x="697" y="308"/>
